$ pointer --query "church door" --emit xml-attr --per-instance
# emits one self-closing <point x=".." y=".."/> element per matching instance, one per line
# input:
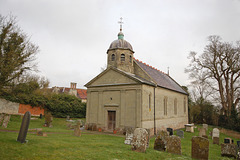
<point x="111" y="120"/>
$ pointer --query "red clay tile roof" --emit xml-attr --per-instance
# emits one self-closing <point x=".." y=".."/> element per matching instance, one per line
<point x="161" y="78"/>
<point x="82" y="93"/>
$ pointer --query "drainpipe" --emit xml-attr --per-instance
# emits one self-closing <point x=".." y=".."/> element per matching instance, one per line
<point x="154" y="112"/>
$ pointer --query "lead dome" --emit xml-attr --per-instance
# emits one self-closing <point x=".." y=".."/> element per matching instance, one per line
<point x="120" y="43"/>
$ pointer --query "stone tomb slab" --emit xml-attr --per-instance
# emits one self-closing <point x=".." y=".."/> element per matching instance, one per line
<point x="140" y="138"/>
<point x="200" y="148"/>
<point x="229" y="150"/>
<point x="189" y="128"/>
<point x="174" y="145"/>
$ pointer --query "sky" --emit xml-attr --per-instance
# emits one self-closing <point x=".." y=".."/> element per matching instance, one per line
<point x="74" y="35"/>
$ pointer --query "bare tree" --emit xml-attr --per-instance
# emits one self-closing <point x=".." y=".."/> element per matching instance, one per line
<point x="219" y="69"/>
<point x="16" y="51"/>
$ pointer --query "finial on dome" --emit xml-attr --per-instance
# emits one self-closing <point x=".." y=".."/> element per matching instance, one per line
<point x="120" y="34"/>
<point x="120" y="22"/>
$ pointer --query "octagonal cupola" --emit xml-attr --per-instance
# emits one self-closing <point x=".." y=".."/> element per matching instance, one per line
<point x="120" y="53"/>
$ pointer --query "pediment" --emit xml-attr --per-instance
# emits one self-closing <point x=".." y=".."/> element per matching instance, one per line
<point x="111" y="77"/>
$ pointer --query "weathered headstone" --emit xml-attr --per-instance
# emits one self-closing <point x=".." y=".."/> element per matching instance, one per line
<point x="1" y="118"/>
<point x="160" y="143"/>
<point x="48" y="119"/>
<point x="205" y="126"/>
<point x="77" y="131"/>
<point x="229" y="150"/>
<point x="200" y="148"/>
<point x="215" y="132"/>
<point x="6" y="120"/>
<point x="139" y="141"/>
<point x="238" y="144"/>
<point x="174" y="145"/>
<point x="148" y="140"/>
<point x="180" y="133"/>
<point x="170" y="130"/>
<point x="202" y="132"/>
<point x="129" y="135"/>
<point x="227" y="140"/>
<point x="24" y="127"/>
<point x="215" y="136"/>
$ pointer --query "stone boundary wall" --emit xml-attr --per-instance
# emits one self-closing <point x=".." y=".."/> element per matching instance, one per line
<point x="230" y="133"/>
<point x="13" y="108"/>
<point x="8" y="107"/>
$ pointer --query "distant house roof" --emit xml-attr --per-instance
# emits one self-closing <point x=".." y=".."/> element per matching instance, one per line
<point x="162" y="79"/>
<point x="81" y="93"/>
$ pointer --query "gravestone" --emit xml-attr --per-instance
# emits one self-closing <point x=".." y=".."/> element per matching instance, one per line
<point x="170" y="130"/>
<point x="229" y="150"/>
<point x="215" y="132"/>
<point x="129" y="135"/>
<point x="24" y="127"/>
<point x="48" y="119"/>
<point x="227" y="140"/>
<point x="174" y="145"/>
<point x="40" y="116"/>
<point x="1" y="118"/>
<point x="68" y="118"/>
<point x="238" y="144"/>
<point x="202" y="132"/>
<point x="215" y="136"/>
<point x="205" y="126"/>
<point x="77" y="131"/>
<point x="160" y="143"/>
<point x="6" y="120"/>
<point x="148" y="140"/>
<point x="139" y="141"/>
<point x="180" y="133"/>
<point x="200" y="148"/>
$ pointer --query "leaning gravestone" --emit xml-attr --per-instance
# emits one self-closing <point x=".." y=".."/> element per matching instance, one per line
<point x="174" y="145"/>
<point x="180" y="133"/>
<point x="77" y="131"/>
<point x="1" y="118"/>
<point x="129" y="135"/>
<point x="200" y="148"/>
<point x="48" y="119"/>
<point x="205" y="126"/>
<point x="6" y="120"/>
<point x="140" y="138"/>
<point x="24" y="127"/>
<point x="160" y="143"/>
<point x="170" y="130"/>
<point x="229" y="150"/>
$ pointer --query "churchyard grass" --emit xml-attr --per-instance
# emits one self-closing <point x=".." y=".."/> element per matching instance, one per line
<point x="91" y="145"/>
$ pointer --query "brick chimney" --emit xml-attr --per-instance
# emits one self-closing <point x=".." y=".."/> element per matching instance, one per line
<point x="73" y="85"/>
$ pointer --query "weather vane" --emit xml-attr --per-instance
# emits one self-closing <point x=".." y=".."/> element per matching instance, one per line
<point x="120" y="22"/>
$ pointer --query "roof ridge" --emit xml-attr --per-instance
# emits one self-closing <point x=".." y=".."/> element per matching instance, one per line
<point x="150" y="66"/>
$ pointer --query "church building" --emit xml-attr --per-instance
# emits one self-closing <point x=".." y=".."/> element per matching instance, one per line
<point x="130" y="93"/>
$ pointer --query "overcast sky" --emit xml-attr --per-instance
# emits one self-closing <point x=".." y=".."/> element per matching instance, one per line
<point x="74" y="35"/>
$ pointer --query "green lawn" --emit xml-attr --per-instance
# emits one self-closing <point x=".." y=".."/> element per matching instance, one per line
<point x="88" y="146"/>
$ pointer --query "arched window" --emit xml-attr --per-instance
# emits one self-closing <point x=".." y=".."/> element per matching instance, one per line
<point x="130" y="59"/>
<point x="122" y="57"/>
<point x="175" y="106"/>
<point x="113" y="57"/>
